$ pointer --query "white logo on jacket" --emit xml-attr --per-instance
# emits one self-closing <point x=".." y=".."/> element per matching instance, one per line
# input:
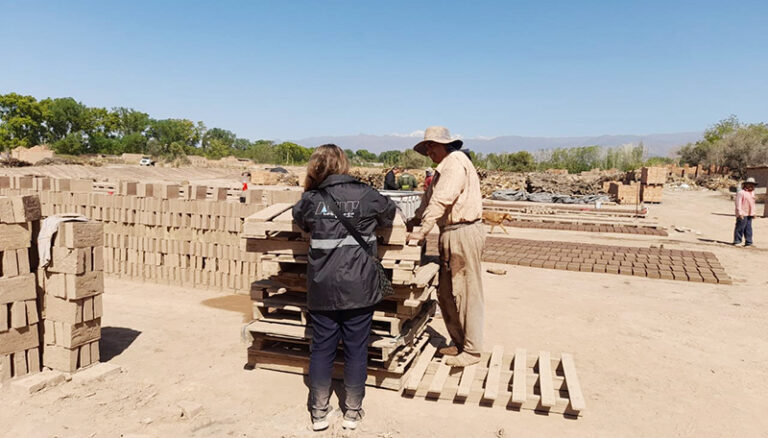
<point x="348" y="209"/>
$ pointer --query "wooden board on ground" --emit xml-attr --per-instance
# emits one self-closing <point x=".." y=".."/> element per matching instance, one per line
<point x="513" y="381"/>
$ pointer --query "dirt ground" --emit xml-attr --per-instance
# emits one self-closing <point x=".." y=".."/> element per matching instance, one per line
<point x="655" y="358"/>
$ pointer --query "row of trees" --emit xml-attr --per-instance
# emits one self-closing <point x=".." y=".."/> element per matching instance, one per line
<point x="72" y="128"/>
<point x="729" y="143"/>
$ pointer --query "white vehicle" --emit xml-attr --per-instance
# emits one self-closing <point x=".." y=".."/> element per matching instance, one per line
<point x="146" y="162"/>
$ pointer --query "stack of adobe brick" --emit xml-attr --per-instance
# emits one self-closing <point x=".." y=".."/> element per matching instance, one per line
<point x="652" y="181"/>
<point x="72" y="286"/>
<point x="19" y="317"/>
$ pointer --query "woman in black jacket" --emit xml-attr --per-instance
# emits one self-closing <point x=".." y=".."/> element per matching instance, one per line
<point x="341" y="277"/>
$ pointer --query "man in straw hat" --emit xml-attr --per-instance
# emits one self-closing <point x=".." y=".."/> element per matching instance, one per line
<point x="745" y="211"/>
<point x="453" y="202"/>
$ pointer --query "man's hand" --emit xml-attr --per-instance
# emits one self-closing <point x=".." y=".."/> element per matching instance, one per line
<point x="740" y="217"/>
<point x="417" y="236"/>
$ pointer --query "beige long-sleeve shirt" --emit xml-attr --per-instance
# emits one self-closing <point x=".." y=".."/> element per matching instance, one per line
<point x="454" y="195"/>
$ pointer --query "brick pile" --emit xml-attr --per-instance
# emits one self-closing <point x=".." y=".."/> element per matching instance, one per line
<point x="19" y="314"/>
<point x="176" y="234"/>
<point x="624" y="193"/>
<point x="669" y="264"/>
<point x="652" y="181"/>
<point x="71" y="287"/>
<point x="603" y="228"/>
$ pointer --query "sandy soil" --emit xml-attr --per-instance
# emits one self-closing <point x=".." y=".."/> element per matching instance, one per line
<point x="655" y="358"/>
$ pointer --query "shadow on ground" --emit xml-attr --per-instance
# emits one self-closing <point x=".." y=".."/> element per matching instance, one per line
<point x="115" y="340"/>
<point x="233" y="303"/>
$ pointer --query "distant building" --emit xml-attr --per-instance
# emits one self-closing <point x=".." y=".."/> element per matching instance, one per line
<point x="33" y="154"/>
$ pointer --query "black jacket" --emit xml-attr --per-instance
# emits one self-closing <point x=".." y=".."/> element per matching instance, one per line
<point x="390" y="182"/>
<point x="340" y="275"/>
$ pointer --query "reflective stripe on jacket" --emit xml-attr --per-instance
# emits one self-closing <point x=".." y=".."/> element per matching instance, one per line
<point x="339" y="274"/>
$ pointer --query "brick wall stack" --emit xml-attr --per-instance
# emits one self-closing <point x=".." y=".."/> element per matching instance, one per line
<point x="71" y="287"/>
<point x="624" y="193"/>
<point x="652" y="181"/>
<point x="19" y="316"/>
<point x="166" y="233"/>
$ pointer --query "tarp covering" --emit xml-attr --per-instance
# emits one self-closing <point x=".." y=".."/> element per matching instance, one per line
<point x="522" y="195"/>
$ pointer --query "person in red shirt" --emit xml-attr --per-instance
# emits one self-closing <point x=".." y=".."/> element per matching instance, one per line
<point x="428" y="179"/>
<point x="745" y="212"/>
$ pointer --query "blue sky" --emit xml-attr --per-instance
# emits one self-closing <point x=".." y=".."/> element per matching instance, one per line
<point x="294" y="69"/>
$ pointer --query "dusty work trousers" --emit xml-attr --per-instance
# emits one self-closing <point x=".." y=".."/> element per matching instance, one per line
<point x="460" y="293"/>
<point x="353" y="328"/>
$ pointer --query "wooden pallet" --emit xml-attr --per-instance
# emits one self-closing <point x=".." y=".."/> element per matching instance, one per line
<point x="292" y="318"/>
<point x="276" y="247"/>
<point x="297" y="302"/>
<point x="383" y="351"/>
<point x="520" y="381"/>
<point x="405" y="295"/>
<point x="295" y="359"/>
<point x="276" y="222"/>
<point x="293" y="269"/>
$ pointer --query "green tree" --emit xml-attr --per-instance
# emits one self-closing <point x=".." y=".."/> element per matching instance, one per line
<point x="413" y="160"/>
<point x="72" y="144"/>
<point x="390" y="158"/>
<point x="262" y="151"/>
<point x="365" y="156"/>
<point x="64" y="116"/>
<point x="218" y="142"/>
<point x="292" y="153"/>
<point x="21" y="121"/>
<point x="168" y="131"/>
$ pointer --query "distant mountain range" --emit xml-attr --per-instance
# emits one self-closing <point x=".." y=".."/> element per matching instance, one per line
<point x="657" y="144"/>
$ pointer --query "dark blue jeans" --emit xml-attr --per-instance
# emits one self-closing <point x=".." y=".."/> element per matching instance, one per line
<point x="743" y="229"/>
<point x="352" y="327"/>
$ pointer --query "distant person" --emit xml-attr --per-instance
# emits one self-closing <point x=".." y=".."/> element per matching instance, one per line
<point x="341" y="279"/>
<point x="428" y="179"/>
<point x="390" y="179"/>
<point x="244" y="178"/>
<point x="745" y="212"/>
<point x="407" y="182"/>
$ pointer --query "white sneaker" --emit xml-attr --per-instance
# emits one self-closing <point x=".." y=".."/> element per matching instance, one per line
<point x="319" y="425"/>
<point x="322" y="423"/>
<point x="349" y="424"/>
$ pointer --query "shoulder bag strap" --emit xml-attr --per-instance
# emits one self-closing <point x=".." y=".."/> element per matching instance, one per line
<point x="331" y="203"/>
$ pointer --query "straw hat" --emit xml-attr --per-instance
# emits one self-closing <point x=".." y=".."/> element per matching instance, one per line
<point x="749" y="180"/>
<point x="436" y="134"/>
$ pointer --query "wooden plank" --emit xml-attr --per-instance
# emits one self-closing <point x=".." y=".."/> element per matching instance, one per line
<point x="518" y="377"/>
<point x="494" y="371"/>
<point x="467" y="377"/>
<point x="572" y="381"/>
<point x="436" y="387"/>
<point x="420" y="367"/>
<point x="268" y="213"/>
<point x="545" y="380"/>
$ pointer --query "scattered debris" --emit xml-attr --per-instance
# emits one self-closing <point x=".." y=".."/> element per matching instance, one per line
<point x="189" y="409"/>
<point x="96" y="372"/>
<point x="37" y="382"/>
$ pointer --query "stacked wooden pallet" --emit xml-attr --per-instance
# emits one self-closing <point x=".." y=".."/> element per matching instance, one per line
<point x="541" y="382"/>
<point x="652" y="181"/>
<point x="281" y="333"/>
<point x="19" y="317"/>
<point x="71" y="286"/>
<point x="165" y="233"/>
